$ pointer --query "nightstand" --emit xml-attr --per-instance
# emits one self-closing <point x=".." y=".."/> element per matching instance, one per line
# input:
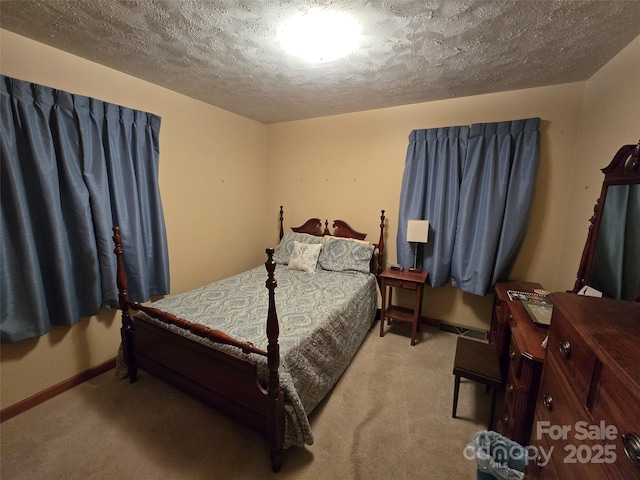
<point x="408" y="280"/>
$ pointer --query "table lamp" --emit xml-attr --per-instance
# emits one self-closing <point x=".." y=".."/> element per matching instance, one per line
<point x="417" y="232"/>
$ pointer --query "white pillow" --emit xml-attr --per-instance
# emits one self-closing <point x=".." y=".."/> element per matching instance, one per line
<point x="304" y="256"/>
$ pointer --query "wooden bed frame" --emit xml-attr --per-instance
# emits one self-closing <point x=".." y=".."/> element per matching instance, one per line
<point x="223" y="380"/>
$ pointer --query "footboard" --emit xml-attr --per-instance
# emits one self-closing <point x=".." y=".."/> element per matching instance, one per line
<point x="221" y="379"/>
<point x="224" y="381"/>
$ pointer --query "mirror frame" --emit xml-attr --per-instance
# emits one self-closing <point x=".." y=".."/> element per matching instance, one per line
<point x="624" y="169"/>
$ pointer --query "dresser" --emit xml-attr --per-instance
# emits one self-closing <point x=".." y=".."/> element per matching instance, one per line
<point x="588" y="405"/>
<point x="519" y="344"/>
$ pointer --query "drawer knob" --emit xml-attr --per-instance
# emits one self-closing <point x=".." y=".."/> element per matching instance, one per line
<point x="547" y="400"/>
<point x="510" y="388"/>
<point x="631" y="444"/>
<point x="565" y="348"/>
<point x="512" y="353"/>
<point x="505" y="419"/>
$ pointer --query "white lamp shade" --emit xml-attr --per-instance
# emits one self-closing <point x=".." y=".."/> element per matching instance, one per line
<point x="418" y="231"/>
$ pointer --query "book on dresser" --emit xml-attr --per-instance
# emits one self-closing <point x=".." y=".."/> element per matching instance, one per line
<point x="540" y="314"/>
<point x="537" y="305"/>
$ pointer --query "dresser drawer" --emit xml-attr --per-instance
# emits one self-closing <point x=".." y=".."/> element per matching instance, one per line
<point x="575" y="359"/>
<point x="514" y="384"/>
<point x="515" y="359"/>
<point x="556" y="405"/>
<point x="541" y="467"/>
<point x="511" y="393"/>
<point x="560" y="424"/>
<point x="616" y="411"/>
<point x="508" y="421"/>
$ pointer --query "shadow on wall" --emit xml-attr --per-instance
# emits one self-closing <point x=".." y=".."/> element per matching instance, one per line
<point x="78" y="335"/>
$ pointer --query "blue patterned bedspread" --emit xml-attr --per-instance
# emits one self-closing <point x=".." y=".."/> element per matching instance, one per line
<point x="323" y="318"/>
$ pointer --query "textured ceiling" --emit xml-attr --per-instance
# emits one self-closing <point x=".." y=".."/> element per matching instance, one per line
<point x="226" y="53"/>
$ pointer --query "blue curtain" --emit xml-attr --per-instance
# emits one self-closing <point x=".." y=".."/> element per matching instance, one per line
<point x="72" y="167"/>
<point x="616" y="264"/>
<point x="430" y="190"/>
<point x="475" y="185"/>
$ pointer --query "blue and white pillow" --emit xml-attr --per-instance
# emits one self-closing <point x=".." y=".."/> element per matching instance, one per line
<point x="345" y="255"/>
<point x="285" y="247"/>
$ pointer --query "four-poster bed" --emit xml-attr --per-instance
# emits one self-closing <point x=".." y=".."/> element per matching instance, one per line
<point x="228" y="359"/>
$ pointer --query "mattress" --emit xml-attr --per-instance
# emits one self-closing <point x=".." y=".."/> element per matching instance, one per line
<point x="323" y="318"/>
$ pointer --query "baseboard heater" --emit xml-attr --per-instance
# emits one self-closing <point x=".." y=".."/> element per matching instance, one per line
<point x="464" y="331"/>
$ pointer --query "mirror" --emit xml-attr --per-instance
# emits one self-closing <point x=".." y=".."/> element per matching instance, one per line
<point x="611" y="258"/>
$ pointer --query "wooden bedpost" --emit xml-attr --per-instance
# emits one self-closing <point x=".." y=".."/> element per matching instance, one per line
<point x="380" y="267"/>
<point x="281" y="221"/>
<point x="126" y="331"/>
<point x="275" y="413"/>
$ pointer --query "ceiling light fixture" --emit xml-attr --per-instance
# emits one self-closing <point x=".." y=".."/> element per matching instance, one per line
<point x="320" y="36"/>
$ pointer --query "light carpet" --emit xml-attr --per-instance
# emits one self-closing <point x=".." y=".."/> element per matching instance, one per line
<point x="389" y="417"/>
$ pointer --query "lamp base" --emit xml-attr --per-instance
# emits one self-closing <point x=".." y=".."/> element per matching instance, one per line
<point x="415" y="267"/>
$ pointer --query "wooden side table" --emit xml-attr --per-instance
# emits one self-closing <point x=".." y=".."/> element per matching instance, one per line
<point x="408" y="280"/>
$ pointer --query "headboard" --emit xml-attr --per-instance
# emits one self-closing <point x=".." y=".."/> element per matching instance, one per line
<point x="313" y="226"/>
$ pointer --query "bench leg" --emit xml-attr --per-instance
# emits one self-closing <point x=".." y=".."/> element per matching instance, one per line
<point x="456" y="389"/>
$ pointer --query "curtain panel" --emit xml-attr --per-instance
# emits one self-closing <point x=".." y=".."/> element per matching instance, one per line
<point x="475" y="185"/>
<point x="616" y="264"/>
<point x="430" y="191"/>
<point x="72" y="167"/>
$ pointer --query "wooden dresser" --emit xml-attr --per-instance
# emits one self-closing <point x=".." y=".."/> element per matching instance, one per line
<point x="588" y="405"/>
<point x="519" y="343"/>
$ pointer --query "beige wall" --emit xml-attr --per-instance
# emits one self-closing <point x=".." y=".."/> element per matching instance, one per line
<point x="215" y="167"/>
<point x="609" y="120"/>
<point x="212" y="169"/>
<point x="350" y="166"/>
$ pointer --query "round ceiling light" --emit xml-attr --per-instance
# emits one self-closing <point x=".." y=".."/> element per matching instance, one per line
<point x="320" y="36"/>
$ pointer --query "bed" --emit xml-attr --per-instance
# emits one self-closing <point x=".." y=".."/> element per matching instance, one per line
<point x="266" y="359"/>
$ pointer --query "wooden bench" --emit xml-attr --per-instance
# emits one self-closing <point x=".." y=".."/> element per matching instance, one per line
<point x="479" y="362"/>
